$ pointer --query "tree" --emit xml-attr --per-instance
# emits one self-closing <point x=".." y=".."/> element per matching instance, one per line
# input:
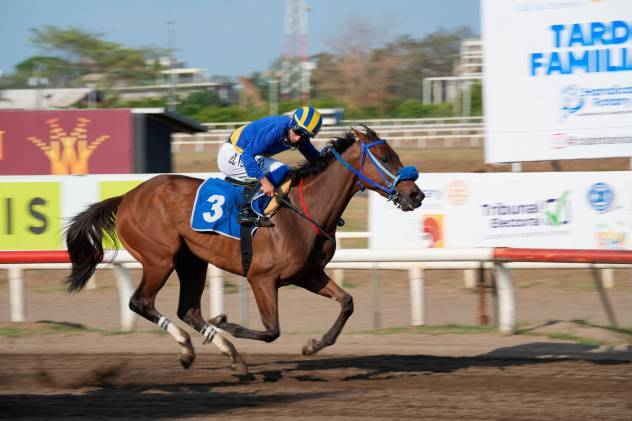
<point x="80" y="53"/>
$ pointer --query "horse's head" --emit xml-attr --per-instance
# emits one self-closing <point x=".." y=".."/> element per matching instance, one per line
<point x="380" y="169"/>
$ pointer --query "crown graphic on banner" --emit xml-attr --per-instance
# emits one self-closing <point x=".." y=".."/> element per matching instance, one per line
<point x="68" y="152"/>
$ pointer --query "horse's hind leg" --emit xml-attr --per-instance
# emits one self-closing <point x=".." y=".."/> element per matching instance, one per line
<point x="192" y="274"/>
<point x="321" y="284"/>
<point x="142" y="302"/>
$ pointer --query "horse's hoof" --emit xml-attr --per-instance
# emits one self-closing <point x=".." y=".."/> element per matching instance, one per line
<point x="240" y="367"/>
<point x="310" y="347"/>
<point x="186" y="360"/>
<point x="217" y="320"/>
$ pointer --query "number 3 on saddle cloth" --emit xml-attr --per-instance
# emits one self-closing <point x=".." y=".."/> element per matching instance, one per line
<point x="217" y="204"/>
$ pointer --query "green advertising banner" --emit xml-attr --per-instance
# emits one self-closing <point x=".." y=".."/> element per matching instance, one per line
<point x="30" y="216"/>
<point x="109" y="189"/>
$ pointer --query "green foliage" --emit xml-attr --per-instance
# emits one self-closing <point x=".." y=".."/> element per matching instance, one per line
<point x="73" y="53"/>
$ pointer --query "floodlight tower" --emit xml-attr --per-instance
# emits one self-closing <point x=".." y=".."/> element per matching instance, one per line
<point x="295" y="72"/>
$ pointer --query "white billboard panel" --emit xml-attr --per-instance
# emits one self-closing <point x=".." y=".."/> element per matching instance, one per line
<point x="588" y="210"/>
<point x="557" y="79"/>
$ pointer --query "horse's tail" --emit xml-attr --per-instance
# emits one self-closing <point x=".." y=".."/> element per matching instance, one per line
<point x="84" y="238"/>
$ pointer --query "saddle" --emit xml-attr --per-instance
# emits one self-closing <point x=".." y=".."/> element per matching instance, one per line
<point x="247" y="230"/>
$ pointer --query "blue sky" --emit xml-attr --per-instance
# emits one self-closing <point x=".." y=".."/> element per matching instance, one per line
<point x="227" y="37"/>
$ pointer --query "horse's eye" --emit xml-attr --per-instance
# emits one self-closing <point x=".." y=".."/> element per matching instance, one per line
<point x="384" y="159"/>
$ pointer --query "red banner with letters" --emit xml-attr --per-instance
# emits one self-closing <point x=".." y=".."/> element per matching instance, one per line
<point x="66" y="142"/>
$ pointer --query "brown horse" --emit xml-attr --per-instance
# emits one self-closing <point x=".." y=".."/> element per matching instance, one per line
<point x="153" y="223"/>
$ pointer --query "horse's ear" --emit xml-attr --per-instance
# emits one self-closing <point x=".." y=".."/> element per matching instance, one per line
<point x="370" y="134"/>
<point x="359" y="135"/>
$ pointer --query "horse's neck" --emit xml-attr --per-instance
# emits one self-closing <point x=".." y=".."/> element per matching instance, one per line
<point x="327" y="195"/>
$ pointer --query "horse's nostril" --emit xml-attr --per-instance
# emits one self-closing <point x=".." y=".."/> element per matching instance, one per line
<point x="416" y="196"/>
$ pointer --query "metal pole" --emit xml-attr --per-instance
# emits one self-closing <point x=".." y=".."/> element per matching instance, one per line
<point x="604" y="298"/>
<point x="482" y="307"/>
<point x="506" y="299"/>
<point x="243" y="302"/>
<point x="16" y="294"/>
<point x="375" y="287"/>
<point x="216" y="289"/>
<point x="417" y="296"/>
<point x="125" y="289"/>
<point x="171" y="101"/>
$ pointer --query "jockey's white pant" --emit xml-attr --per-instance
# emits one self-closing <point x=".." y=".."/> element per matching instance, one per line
<point x="229" y="162"/>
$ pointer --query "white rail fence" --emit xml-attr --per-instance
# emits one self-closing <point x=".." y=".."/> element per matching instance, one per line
<point x="420" y="133"/>
<point x="414" y="261"/>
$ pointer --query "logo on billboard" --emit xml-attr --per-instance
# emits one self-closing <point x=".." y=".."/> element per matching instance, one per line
<point x="553" y="212"/>
<point x="458" y="192"/>
<point x="601" y="197"/>
<point x="580" y="101"/>
<point x="611" y="238"/>
<point x="68" y="153"/>
<point x="433" y="230"/>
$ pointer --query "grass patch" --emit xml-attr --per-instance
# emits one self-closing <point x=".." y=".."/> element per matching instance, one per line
<point x="624" y="331"/>
<point x="570" y="337"/>
<point x="47" y="327"/>
<point x="431" y="330"/>
<point x="44" y="327"/>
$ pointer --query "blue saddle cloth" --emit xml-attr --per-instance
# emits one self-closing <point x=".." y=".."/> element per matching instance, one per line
<point x="216" y="207"/>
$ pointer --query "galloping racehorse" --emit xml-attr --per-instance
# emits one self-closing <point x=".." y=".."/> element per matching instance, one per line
<point x="153" y="223"/>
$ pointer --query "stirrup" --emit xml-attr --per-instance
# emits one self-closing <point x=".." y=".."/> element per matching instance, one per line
<point x="247" y="217"/>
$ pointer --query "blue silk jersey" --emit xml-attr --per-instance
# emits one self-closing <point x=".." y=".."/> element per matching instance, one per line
<point x="265" y="137"/>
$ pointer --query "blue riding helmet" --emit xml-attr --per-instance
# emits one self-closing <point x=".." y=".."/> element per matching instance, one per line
<point x="307" y="121"/>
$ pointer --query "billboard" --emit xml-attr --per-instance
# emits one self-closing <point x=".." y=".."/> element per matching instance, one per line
<point x="34" y="210"/>
<point x="66" y="142"/>
<point x="557" y="79"/>
<point x="585" y="210"/>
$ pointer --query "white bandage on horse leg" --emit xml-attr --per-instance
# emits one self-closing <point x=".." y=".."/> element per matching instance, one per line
<point x="208" y="332"/>
<point x="173" y="330"/>
<point x="163" y="322"/>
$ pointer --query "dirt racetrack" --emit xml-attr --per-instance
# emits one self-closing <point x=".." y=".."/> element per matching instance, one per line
<point x="85" y="369"/>
<point x="119" y="386"/>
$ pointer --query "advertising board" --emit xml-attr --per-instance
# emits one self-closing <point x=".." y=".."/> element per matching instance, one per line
<point x="66" y="142"/>
<point x="557" y="79"/>
<point x="588" y="210"/>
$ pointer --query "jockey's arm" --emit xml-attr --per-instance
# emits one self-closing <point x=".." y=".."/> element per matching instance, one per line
<point x="252" y="168"/>
<point x="250" y="163"/>
<point x="308" y="150"/>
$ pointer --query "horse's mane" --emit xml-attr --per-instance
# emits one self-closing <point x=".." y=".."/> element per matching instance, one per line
<point x="319" y="164"/>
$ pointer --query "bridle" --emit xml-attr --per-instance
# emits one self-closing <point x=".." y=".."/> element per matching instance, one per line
<point x="403" y="174"/>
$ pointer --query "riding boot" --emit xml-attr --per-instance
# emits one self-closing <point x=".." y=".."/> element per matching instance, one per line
<point x="247" y="216"/>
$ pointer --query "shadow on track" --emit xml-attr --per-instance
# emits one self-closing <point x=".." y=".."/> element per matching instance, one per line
<point x="157" y="402"/>
<point x="383" y="366"/>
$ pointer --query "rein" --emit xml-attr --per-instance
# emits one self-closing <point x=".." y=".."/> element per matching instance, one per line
<point x="318" y="228"/>
<point x="403" y="174"/>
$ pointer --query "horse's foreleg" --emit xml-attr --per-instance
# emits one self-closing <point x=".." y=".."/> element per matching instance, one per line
<point x="266" y="295"/>
<point x="321" y="284"/>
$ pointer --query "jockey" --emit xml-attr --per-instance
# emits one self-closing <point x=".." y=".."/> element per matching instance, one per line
<point x="246" y="153"/>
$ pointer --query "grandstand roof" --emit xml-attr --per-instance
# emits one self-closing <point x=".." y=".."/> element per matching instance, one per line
<point x="41" y="98"/>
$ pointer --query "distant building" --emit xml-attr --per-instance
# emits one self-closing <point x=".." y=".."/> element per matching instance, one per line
<point x="184" y="81"/>
<point x="468" y="69"/>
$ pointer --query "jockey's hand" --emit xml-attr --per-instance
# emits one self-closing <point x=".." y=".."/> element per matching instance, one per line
<point x="267" y="187"/>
